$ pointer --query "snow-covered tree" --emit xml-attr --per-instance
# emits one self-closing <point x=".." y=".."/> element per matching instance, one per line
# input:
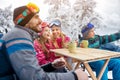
<point x="6" y="22"/>
<point x="60" y="9"/>
<point x="85" y="13"/>
<point x="73" y="14"/>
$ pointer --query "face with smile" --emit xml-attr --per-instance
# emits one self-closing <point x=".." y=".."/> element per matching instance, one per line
<point x="56" y="31"/>
<point x="46" y="33"/>
<point x="34" y="23"/>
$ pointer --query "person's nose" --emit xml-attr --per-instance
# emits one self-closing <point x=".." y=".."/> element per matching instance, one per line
<point x="39" y="21"/>
<point x="55" y="31"/>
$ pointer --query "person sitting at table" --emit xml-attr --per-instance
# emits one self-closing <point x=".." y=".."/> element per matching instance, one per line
<point x="95" y="41"/>
<point x="59" y="39"/>
<point x="21" y="52"/>
<point x="43" y="44"/>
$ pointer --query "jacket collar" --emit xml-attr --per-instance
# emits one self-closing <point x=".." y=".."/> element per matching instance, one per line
<point x="33" y="34"/>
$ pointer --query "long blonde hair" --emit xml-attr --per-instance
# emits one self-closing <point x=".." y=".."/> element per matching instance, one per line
<point x="55" y="42"/>
<point x="42" y="42"/>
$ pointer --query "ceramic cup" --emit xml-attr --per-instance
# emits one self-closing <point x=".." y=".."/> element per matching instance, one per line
<point x="72" y="46"/>
<point x="84" y="43"/>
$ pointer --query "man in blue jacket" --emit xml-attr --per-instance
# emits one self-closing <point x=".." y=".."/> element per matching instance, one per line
<point x="19" y="44"/>
<point x="96" y="41"/>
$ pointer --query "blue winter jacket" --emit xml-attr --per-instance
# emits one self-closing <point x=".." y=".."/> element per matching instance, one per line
<point x="19" y="43"/>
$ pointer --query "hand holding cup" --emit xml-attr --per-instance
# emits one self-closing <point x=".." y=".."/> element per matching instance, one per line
<point x="84" y="44"/>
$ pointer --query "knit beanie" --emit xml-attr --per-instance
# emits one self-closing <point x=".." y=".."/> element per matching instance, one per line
<point x="55" y="22"/>
<point x="22" y="15"/>
<point x="85" y="30"/>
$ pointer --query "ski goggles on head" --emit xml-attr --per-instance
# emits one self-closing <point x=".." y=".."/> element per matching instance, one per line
<point x="88" y="27"/>
<point x="30" y="10"/>
<point x="55" y="22"/>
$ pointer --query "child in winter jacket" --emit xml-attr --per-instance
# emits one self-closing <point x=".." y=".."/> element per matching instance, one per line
<point x="43" y="44"/>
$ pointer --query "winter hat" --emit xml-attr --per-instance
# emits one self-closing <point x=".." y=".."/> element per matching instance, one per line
<point x="22" y="15"/>
<point x="55" y="22"/>
<point x="85" y="30"/>
<point x="42" y="26"/>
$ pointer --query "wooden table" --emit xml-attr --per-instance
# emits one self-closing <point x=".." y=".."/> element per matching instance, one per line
<point x="86" y="55"/>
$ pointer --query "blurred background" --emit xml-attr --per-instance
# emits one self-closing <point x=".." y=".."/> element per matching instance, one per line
<point x="104" y="14"/>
